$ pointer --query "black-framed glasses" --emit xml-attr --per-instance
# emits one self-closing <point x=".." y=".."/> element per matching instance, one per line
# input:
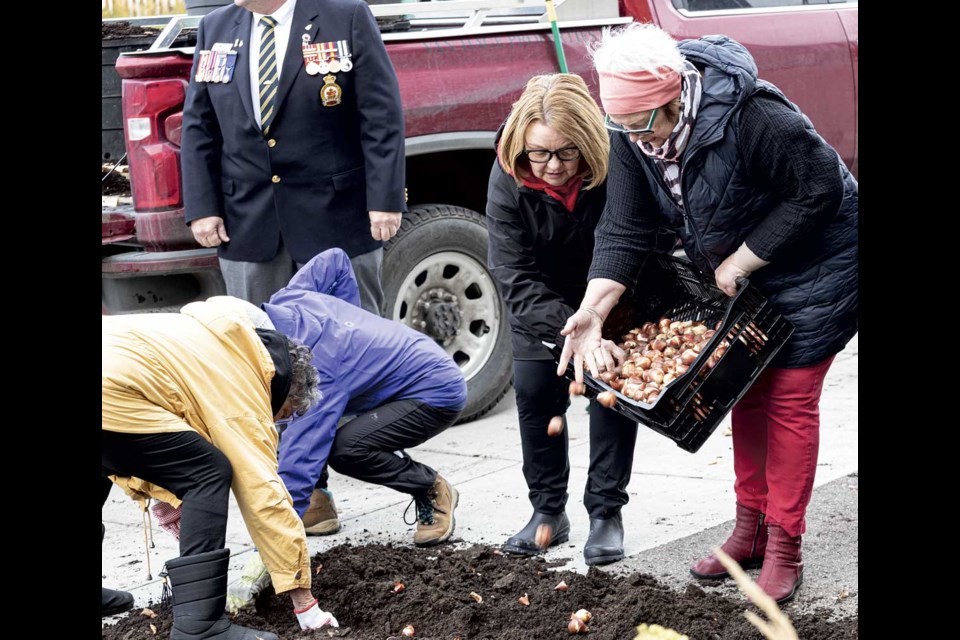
<point x="619" y="128"/>
<point x="542" y="156"/>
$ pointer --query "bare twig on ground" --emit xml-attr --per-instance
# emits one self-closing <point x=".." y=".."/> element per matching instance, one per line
<point x="778" y="627"/>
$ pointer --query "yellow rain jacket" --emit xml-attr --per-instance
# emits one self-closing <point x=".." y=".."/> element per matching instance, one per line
<point x="205" y="369"/>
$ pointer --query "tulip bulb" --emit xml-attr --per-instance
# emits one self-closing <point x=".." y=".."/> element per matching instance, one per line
<point x="555" y="427"/>
<point x="543" y="536"/>
<point x="575" y="626"/>
<point x="607" y="399"/>
<point x="582" y="615"/>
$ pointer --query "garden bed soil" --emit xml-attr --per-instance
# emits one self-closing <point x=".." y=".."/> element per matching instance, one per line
<point x="114" y="30"/>
<point x="357" y="585"/>
<point x="114" y="184"/>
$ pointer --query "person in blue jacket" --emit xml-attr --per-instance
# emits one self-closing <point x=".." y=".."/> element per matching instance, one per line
<point x="401" y="386"/>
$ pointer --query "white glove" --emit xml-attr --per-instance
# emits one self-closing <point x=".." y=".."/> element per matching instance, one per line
<point x="313" y="617"/>
<point x="255" y="578"/>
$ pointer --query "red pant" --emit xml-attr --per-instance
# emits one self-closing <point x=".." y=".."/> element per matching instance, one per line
<point x="776" y="438"/>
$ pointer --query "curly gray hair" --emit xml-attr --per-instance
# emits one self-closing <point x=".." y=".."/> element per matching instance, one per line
<point x="303" y="378"/>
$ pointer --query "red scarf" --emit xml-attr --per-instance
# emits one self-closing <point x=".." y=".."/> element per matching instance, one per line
<point x="565" y="194"/>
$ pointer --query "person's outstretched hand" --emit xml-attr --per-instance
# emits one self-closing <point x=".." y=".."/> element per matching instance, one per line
<point x="583" y="333"/>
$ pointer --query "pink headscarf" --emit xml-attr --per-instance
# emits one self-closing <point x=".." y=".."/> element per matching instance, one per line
<point x="623" y="92"/>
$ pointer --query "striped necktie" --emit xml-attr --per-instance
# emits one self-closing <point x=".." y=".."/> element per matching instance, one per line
<point x="268" y="72"/>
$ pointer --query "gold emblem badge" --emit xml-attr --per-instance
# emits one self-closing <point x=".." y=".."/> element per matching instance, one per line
<point x="330" y="92"/>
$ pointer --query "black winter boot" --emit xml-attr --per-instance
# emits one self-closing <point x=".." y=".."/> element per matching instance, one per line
<point x="113" y="601"/>
<point x="199" y="585"/>
<point x="524" y="542"/>
<point x="605" y="542"/>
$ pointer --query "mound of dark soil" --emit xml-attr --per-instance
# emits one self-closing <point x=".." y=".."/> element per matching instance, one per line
<point x="114" y="185"/>
<point x="113" y="30"/>
<point x="357" y="585"/>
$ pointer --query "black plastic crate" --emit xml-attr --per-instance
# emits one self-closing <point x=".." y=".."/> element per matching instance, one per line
<point x="689" y="409"/>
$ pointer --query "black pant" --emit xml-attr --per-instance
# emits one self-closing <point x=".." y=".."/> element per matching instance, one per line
<point x="541" y="394"/>
<point x="366" y="447"/>
<point x="184" y="464"/>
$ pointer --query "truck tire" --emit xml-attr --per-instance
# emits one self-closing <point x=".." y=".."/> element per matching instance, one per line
<point x="435" y="280"/>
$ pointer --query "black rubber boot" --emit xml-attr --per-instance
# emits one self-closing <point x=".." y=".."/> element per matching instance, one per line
<point x="524" y="543"/>
<point x="605" y="542"/>
<point x="199" y="585"/>
<point x="112" y="601"/>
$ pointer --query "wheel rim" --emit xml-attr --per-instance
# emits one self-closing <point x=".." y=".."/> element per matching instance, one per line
<point x="450" y="297"/>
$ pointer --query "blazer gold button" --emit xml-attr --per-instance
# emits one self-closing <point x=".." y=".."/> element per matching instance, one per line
<point x="271" y="143"/>
<point x="275" y="179"/>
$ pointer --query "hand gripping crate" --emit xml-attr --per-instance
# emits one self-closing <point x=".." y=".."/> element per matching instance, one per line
<point x="689" y="409"/>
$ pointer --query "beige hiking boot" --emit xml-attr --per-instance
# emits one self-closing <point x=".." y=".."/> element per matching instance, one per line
<point x="320" y="518"/>
<point x="435" y="521"/>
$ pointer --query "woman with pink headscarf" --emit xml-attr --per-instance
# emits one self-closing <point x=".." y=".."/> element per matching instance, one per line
<point x="704" y="147"/>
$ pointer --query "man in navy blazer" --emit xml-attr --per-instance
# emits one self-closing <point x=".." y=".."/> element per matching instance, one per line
<point x="321" y="166"/>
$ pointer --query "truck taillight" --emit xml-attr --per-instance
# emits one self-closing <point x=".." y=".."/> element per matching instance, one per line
<point x="173" y="128"/>
<point x="153" y="154"/>
<point x="138" y="129"/>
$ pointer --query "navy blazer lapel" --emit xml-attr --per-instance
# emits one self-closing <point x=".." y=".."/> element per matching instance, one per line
<point x="241" y="70"/>
<point x="304" y="13"/>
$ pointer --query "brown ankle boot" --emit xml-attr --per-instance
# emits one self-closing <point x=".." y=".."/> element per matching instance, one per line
<point x="435" y="521"/>
<point x="746" y="545"/>
<point x="782" y="570"/>
<point x="320" y="518"/>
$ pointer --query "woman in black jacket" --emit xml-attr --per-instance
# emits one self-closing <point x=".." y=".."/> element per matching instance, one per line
<point x="544" y="199"/>
<point x="705" y="147"/>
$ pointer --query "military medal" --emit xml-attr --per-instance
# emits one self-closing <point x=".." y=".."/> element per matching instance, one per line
<point x="231" y="64"/>
<point x="206" y="74"/>
<point x="202" y="65"/>
<point x="334" y="66"/>
<point x="323" y="66"/>
<point x="330" y="92"/>
<point x="311" y="56"/>
<point x="343" y="55"/>
<point x="217" y="61"/>
<point x="219" y="65"/>
<point x="211" y="62"/>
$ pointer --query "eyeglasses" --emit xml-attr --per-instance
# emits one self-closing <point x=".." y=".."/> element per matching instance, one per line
<point x="542" y="156"/>
<point x="619" y="128"/>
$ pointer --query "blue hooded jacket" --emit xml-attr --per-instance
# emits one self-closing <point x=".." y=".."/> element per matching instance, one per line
<point x="364" y="361"/>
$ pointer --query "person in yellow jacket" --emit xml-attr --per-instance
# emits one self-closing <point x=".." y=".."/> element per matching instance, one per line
<point x="189" y="405"/>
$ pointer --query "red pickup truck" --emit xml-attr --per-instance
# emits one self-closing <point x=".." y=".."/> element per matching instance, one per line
<point x="461" y="64"/>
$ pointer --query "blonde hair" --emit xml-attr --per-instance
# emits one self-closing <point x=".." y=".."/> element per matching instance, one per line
<point x="562" y="102"/>
<point x="637" y="47"/>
